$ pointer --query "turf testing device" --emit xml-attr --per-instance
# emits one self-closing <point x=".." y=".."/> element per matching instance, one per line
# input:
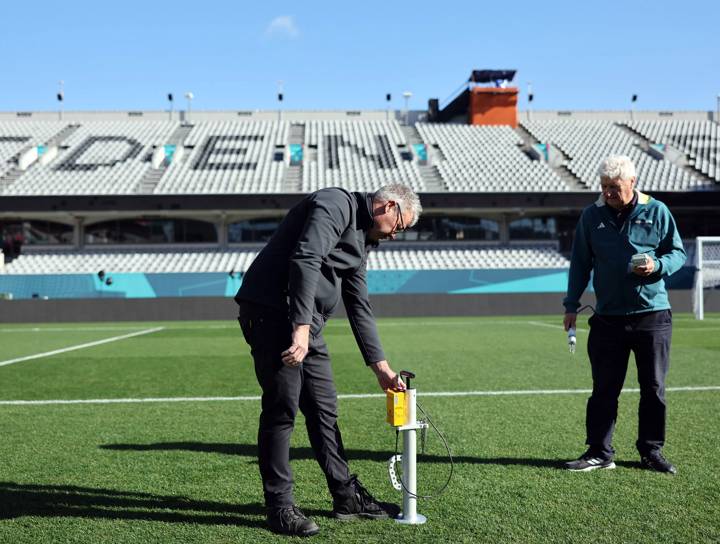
<point x="402" y="415"/>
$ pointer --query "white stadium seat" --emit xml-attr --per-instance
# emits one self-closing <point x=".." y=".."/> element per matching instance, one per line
<point x="248" y="156"/>
<point x="436" y="257"/>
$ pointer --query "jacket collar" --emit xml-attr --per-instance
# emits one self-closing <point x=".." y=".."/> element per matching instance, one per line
<point x="642" y="199"/>
<point x="364" y="218"/>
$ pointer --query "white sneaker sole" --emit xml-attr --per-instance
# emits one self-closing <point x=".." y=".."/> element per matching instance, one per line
<point x="595" y="467"/>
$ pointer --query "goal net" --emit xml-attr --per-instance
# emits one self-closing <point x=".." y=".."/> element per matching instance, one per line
<point x="707" y="275"/>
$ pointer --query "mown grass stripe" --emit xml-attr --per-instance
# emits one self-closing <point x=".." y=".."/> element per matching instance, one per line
<point x="342" y="396"/>
<point x="79" y="346"/>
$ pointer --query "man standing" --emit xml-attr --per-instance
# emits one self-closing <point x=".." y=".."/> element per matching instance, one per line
<point x="630" y="242"/>
<point x="318" y="253"/>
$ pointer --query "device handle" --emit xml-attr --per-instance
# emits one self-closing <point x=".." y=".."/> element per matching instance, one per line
<point x="407" y="375"/>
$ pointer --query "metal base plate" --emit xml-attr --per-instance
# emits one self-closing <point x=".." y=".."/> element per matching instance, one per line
<point x="418" y="520"/>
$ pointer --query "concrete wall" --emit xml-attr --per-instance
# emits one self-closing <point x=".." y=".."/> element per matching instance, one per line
<point x="203" y="115"/>
<point x="615" y="115"/>
<point x="306" y="115"/>
<point x="202" y="308"/>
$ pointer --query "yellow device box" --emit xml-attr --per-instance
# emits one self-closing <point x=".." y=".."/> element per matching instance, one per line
<point x="397" y="410"/>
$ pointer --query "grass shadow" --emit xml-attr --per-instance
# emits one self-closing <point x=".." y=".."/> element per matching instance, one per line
<point x="630" y="464"/>
<point x="45" y="500"/>
<point x="304" y="453"/>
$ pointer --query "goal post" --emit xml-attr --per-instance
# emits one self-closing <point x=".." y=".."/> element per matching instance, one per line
<point x="707" y="270"/>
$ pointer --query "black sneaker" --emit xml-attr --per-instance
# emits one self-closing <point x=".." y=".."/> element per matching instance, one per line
<point x="291" y="521"/>
<point x="359" y="503"/>
<point x="655" y="461"/>
<point x="587" y="462"/>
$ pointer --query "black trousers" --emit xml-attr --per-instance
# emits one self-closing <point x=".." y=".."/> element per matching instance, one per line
<point x="309" y="387"/>
<point x="610" y="342"/>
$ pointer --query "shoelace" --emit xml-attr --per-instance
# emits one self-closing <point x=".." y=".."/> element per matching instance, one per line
<point x="291" y="515"/>
<point x="365" y="496"/>
<point x="656" y="459"/>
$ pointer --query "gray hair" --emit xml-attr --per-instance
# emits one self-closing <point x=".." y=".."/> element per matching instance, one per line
<point x="617" y="166"/>
<point x="408" y="199"/>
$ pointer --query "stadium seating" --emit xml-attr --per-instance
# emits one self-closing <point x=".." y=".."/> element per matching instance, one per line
<point x="16" y="136"/>
<point x="586" y="143"/>
<point x="468" y="257"/>
<point x="146" y="261"/>
<point x="105" y="157"/>
<point x="248" y="156"/>
<point x="540" y="255"/>
<point x="480" y="158"/>
<point x="230" y="157"/>
<point x="699" y="139"/>
<point x="358" y="155"/>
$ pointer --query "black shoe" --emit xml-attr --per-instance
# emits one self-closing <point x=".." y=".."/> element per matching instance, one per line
<point x="290" y="520"/>
<point x="655" y="461"/>
<point x="589" y="461"/>
<point x="359" y="503"/>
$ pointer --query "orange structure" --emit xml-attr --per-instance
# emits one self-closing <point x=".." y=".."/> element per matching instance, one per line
<point x="493" y="106"/>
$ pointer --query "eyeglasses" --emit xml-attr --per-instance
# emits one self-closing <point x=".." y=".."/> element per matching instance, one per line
<point x="399" y="221"/>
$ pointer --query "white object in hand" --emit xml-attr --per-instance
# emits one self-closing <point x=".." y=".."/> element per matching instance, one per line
<point x="572" y="339"/>
<point x="639" y="259"/>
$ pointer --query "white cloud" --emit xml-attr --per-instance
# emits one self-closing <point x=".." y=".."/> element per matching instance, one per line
<point x="283" y="26"/>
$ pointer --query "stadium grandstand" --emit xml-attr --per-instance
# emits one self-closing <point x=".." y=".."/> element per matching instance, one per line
<point x="112" y="199"/>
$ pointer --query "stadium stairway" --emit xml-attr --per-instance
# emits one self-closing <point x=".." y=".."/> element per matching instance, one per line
<point x="433" y="181"/>
<point x="14" y="173"/>
<point x="61" y="136"/>
<point x="152" y="177"/>
<point x="429" y="173"/>
<point x="687" y="163"/>
<point x="292" y="178"/>
<point x="10" y="177"/>
<point x="573" y="182"/>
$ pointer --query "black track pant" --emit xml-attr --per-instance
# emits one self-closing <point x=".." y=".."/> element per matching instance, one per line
<point x="610" y="342"/>
<point x="309" y="387"/>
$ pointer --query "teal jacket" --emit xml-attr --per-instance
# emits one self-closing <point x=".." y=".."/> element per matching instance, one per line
<point x="605" y="250"/>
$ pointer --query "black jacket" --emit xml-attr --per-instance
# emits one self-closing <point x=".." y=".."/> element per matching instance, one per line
<point x="317" y="254"/>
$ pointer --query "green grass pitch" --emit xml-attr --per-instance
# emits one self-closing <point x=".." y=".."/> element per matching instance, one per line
<point x="186" y="471"/>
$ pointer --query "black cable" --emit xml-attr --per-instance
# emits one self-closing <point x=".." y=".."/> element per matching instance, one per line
<point x="442" y="489"/>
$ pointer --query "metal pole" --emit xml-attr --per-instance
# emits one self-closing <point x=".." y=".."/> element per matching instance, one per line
<point x="409" y="459"/>
<point x="189" y="95"/>
<point x="410" y="462"/>
<point x="61" y="97"/>
<point x="700" y="310"/>
<point x="717" y="113"/>
<point x="407" y="95"/>
<point x="530" y="98"/>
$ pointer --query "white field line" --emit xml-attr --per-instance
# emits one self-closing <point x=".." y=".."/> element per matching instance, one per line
<point x="341" y="397"/>
<point x="541" y="324"/>
<point x="480" y="322"/>
<point x="339" y="323"/>
<point x="79" y="346"/>
<point x="67" y="329"/>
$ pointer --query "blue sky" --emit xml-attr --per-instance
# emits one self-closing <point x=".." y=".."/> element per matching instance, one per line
<point x="347" y="55"/>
